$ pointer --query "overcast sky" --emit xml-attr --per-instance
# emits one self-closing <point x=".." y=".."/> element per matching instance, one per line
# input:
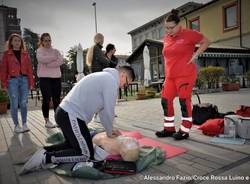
<point x="72" y="21"/>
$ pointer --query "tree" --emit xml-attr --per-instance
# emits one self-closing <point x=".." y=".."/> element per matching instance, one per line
<point x="31" y="40"/>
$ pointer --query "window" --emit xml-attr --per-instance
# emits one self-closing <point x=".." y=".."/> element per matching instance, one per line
<point x="154" y="34"/>
<point x="230" y="17"/>
<point x="135" y="42"/>
<point x="161" y="33"/>
<point x="140" y="39"/>
<point x="195" y="24"/>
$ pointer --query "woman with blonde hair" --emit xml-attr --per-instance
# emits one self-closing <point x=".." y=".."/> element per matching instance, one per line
<point x="49" y="73"/>
<point x="95" y="58"/>
<point x="17" y="77"/>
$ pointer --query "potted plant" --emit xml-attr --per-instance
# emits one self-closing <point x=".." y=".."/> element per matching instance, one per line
<point x="141" y="94"/>
<point x="150" y="92"/>
<point x="4" y="99"/>
<point x="210" y="75"/>
<point x="230" y="83"/>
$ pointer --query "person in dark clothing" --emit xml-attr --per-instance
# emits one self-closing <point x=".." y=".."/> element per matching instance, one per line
<point x="110" y="51"/>
<point x="95" y="58"/>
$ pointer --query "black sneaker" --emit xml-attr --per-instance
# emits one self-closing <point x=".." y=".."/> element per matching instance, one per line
<point x="180" y="135"/>
<point x="164" y="133"/>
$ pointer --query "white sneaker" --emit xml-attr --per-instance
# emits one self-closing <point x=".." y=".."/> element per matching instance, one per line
<point x="37" y="161"/>
<point x="25" y="128"/>
<point x="18" y="129"/>
<point x="97" y="119"/>
<point x="49" y="125"/>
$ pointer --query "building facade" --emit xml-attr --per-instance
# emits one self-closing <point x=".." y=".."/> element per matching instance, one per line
<point x="155" y="28"/>
<point x="9" y="23"/>
<point x="225" y="22"/>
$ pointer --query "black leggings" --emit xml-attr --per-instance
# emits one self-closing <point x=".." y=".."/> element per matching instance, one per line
<point x="50" y="88"/>
<point x="78" y="146"/>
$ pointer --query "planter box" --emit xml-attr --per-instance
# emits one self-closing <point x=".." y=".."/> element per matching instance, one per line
<point x="141" y="96"/>
<point x="231" y="87"/>
<point x="3" y="107"/>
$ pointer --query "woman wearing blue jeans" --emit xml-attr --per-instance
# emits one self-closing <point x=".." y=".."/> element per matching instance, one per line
<point x="17" y="79"/>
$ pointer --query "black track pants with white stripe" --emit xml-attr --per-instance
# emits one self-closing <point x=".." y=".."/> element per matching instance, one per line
<point x="78" y="146"/>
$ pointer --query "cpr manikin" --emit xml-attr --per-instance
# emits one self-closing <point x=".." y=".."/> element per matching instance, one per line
<point x="127" y="147"/>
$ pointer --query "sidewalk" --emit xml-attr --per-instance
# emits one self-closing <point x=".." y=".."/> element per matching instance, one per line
<point x="204" y="162"/>
<point x="203" y="158"/>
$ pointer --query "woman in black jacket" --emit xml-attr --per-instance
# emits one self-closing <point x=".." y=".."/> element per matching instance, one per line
<point x="110" y="51"/>
<point x="95" y="58"/>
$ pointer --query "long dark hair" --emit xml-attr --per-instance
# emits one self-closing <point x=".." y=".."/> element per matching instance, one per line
<point x="173" y="17"/>
<point x="109" y="47"/>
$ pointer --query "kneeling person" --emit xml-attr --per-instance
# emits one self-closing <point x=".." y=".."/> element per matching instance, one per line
<point x="95" y="93"/>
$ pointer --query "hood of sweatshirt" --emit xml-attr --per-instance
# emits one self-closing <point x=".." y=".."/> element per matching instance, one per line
<point x="114" y="73"/>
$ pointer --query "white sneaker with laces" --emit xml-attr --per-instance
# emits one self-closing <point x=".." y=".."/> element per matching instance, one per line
<point x="37" y="161"/>
<point x="18" y="129"/>
<point x="25" y="128"/>
<point x="49" y="124"/>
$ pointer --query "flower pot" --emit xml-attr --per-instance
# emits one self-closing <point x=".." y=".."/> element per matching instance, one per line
<point x="3" y="107"/>
<point x="231" y="86"/>
<point x="141" y="96"/>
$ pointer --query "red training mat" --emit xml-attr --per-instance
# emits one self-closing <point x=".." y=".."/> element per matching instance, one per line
<point x="171" y="151"/>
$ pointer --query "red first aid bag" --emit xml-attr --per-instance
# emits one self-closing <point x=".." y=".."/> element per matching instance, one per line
<point x="243" y="111"/>
<point x="213" y="127"/>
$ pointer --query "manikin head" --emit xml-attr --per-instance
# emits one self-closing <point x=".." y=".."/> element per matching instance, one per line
<point x="129" y="148"/>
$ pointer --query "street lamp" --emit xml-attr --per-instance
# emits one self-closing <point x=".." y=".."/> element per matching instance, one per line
<point x="94" y="4"/>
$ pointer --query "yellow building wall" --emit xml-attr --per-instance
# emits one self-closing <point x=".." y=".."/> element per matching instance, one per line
<point x="245" y="19"/>
<point x="211" y="20"/>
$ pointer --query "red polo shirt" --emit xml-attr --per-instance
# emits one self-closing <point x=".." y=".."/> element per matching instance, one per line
<point x="178" y="50"/>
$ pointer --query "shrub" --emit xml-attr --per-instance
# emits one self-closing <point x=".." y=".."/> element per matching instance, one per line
<point x="211" y="75"/>
<point x="3" y="96"/>
<point x="230" y="79"/>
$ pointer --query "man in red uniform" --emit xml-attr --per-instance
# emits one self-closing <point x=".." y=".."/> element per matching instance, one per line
<point x="180" y="74"/>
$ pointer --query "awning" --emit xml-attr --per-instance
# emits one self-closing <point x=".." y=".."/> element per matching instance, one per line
<point x="225" y="55"/>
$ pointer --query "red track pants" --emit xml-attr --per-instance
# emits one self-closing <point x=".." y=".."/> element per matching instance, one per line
<point x="182" y="87"/>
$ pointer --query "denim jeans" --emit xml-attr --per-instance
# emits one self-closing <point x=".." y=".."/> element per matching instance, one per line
<point x="18" y="90"/>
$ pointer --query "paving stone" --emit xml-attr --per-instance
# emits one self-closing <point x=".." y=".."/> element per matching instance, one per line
<point x="187" y="156"/>
<point x="201" y="158"/>
<point x="208" y="163"/>
<point x="239" y="174"/>
<point x="202" y="167"/>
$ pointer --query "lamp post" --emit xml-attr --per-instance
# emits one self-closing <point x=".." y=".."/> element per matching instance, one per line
<point x="94" y="4"/>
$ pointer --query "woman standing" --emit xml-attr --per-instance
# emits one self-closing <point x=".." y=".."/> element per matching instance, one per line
<point x="95" y="58"/>
<point x="17" y="77"/>
<point x="110" y="54"/>
<point x="180" y="74"/>
<point x="49" y="73"/>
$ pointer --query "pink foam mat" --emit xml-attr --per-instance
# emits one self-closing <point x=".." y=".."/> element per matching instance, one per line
<point x="171" y="151"/>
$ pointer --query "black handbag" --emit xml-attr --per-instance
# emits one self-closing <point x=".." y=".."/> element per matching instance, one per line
<point x="119" y="167"/>
<point x="203" y="111"/>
